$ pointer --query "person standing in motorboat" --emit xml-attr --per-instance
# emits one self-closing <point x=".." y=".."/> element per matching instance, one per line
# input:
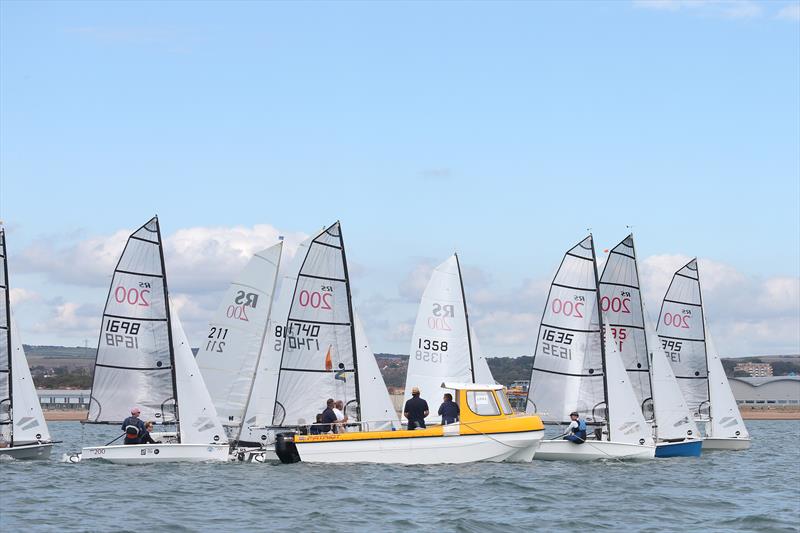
<point x="449" y="410"/>
<point x="341" y="419"/>
<point x="133" y="427"/>
<point x="416" y="410"/>
<point x="576" y="429"/>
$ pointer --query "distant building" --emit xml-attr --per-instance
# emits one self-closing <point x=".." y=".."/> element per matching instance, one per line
<point x="766" y="391"/>
<point x="756" y="370"/>
<point x="63" y="399"/>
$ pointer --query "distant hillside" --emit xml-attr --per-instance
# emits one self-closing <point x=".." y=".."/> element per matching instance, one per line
<point x="58" y="351"/>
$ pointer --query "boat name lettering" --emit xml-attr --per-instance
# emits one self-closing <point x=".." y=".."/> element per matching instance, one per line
<point x="131" y="328"/>
<point x="250" y="299"/>
<point x="436" y="346"/>
<point x="556" y="351"/>
<point x="678" y="320"/>
<point x="443" y="310"/>
<point x="560" y="337"/>
<point x="316" y="299"/>
<point x="620" y="334"/>
<point x="218" y="333"/>
<point x="439" y="323"/>
<point x="99" y="451"/>
<point x="237" y="312"/>
<point x="426" y="356"/>
<point x="615" y="304"/>
<point x="672" y="349"/>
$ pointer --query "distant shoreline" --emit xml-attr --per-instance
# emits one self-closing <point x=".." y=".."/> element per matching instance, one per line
<point x="747" y="414"/>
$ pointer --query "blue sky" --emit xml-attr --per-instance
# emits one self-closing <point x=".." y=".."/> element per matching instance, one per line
<point x="501" y="130"/>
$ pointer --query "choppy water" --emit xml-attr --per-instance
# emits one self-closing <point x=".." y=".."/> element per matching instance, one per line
<point x="758" y="489"/>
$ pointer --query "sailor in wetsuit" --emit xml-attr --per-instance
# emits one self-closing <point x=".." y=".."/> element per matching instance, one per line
<point x="576" y="429"/>
<point x="133" y="427"/>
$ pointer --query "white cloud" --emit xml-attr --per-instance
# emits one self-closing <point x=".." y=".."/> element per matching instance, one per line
<point x="72" y="320"/>
<point x="20" y="296"/>
<point x="734" y="9"/>
<point x="790" y="12"/>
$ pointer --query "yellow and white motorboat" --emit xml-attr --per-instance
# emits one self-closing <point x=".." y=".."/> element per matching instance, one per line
<point x="488" y="430"/>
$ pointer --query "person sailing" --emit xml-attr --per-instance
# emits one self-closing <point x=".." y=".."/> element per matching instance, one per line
<point x="576" y="429"/>
<point x="133" y="427"/>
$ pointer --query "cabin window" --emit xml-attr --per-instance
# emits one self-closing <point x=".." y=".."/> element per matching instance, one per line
<point x="504" y="403"/>
<point x="482" y="403"/>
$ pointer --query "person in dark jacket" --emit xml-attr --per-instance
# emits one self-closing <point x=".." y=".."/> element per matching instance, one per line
<point x="316" y="427"/>
<point x="328" y="418"/>
<point x="146" y="438"/>
<point x="416" y="410"/>
<point x="449" y="410"/>
<point x="133" y="427"/>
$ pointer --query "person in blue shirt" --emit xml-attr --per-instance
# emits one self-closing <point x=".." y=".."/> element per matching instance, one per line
<point x="449" y="410"/>
<point x="415" y="410"/>
<point x="576" y="429"/>
<point x="133" y="427"/>
<point x="328" y="418"/>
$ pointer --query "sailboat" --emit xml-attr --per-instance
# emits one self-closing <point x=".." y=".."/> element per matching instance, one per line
<point x="685" y="339"/>
<point x="653" y="383"/>
<point x="230" y="355"/>
<point x="325" y="355"/>
<point x="577" y="367"/>
<point x="443" y="345"/>
<point x="144" y="360"/>
<point x="23" y="431"/>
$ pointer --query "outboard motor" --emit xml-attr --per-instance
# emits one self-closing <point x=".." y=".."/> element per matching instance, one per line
<point x="285" y="448"/>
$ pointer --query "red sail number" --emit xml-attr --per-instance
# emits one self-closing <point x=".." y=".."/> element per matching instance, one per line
<point x="317" y="300"/>
<point x="677" y="320"/>
<point x="132" y="296"/>
<point x="567" y="308"/>
<point x="615" y="304"/>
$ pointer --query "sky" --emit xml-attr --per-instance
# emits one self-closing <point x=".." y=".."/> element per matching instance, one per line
<point x="501" y="131"/>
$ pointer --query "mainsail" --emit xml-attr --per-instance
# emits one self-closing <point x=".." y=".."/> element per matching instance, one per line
<point x="443" y="346"/>
<point x="143" y="357"/>
<point x="681" y="331"/>
<point x="229" y="356"/>
<point x="21" y="418"/>
<point x="621" y="305"/>
<point x="567" y="372"/>
<point x="319" y="357"/>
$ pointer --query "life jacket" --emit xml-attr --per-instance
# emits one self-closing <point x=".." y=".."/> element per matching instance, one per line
<point x="131" y="431"/>
<point x="580" y="431"/>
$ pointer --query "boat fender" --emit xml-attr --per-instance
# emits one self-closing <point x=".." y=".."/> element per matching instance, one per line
<point x="285" y="448"/>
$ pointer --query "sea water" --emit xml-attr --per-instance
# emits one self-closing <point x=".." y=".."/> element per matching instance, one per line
<point x="755" y="490"/>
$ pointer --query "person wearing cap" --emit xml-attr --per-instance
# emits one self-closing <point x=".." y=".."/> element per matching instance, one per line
<point x="576" y="429"/>
<point x="133" y="427"/>
<point x="416" y="410"/>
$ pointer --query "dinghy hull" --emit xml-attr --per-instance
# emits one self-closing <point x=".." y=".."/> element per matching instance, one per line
<point x="687" y="448"/>
<point x="28" y="451"/>
<point x="591" y="450"/>
<point x="129" y="454"/>
<point x="421" y="450"/>
<point x="721" y="443"/>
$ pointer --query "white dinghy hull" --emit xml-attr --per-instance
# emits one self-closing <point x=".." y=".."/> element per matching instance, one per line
<point x="134" y="454"/>
<point x="591" y="450"/>
<point x="497" y="447"/>
<point x="722" y="443"/>
<point x="28" y="451"/>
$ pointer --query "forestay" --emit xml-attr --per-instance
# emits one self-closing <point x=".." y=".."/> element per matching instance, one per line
<point x="134" y="357"/>
<point x="567" y="370"/>
<point x="726" y="419"/>
<point x="229" y="355"/>
<point x="318" y="360"/>
<point x="442" y="343"/>
<point x="681" y="332"/>
<point x="621" y="305"/>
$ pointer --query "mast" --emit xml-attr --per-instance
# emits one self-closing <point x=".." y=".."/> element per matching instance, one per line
<point x="466" y="319"/>
<point x="602" y="338"/>
<point x="9" y="371"/>
<point x="261" y="346"/>
<point x="352" y="322"/>
<point x="169" y="328"/>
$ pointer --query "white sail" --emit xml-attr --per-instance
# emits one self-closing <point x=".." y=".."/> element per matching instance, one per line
<point x="567" y="370"/>
<point x="621" y="304"/>
<point x="318" y="360"/>
<point x="682" y="335"/>
<point x="626" y="422"/>
<point x="198" y="419"/>
<point x="29" y="424"/>
<point x="441" y="348"/>
<point x="483" y="374"/>
<point x="134" y="357"/>
<point x="376" y="405"/>
<point x="260" y="408"/>
<point x="672" y="416"/>
<point x="228" y="357"/>
<point x="5" y="346"/>
<point x="726" y="420"/>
